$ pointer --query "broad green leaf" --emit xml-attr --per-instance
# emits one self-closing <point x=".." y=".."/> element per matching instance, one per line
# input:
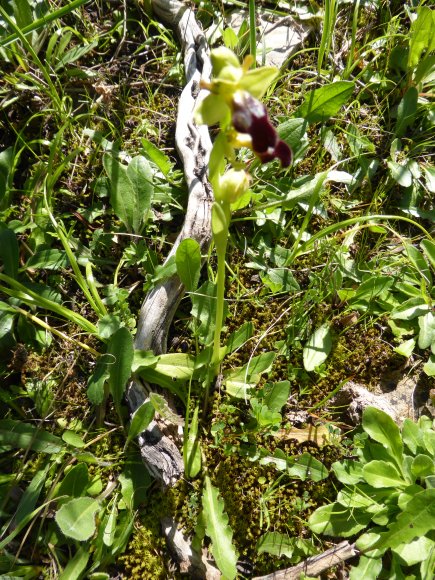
<point x="400" y="173"/>
<point x="140" y="420"/>
<point x="429" y="366"/>
<point x="76" y="565"/>
<point x="325" y="102"/>
<point x="73" y="439"/>
<point x="188" y="261"/>
<point x="412" y="435"/>
<point x="192" y="448"/>
<point x="416" y="521"/>
<point x="240" y="381"/>
<point x="406" y="348"/>
<point x="373" y="287"/>
<point x="97" y="380"/>
<point x="218" y="529"/>
<point x="204" y="312"/>
<point x="276" y="395"/>
<point x="410" y="309"/>
<point x="9" y="252"/>
<point x="293" y="132"/>
<point x="276" y="544"/>
<point x="75" y="482"/>
<point x="426" y="335"/>
<point x="108" y="325"/>
<point x="416" y="551"/>
<point x="280" y="280"/>
<point x="367" y="568"/>
<point x="143" y="359"/>
<point x="348" y="471"/>
<point x="384" y="430"/>
<point x="421" y="35"/>
<point x="16" y="434"/>
<point x="422" y="466"/>
<point x="74" y="54"/>
<point x="131" y="190"/>
<point x="382" y="474"/>
<point x="240" y="336"/>
<point x="317" y="348"/>
<point x="308" y="467"/>
<point x="48" y="260"/>
<point x="176" y="365"/>
<point x="406" y="111"/>
<point x="335" y="520"/>
<point x="121" y="350"/>
<point x="76" y="518"/>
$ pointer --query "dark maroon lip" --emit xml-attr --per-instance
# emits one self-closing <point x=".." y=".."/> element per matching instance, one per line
<point x="250" y="116"/>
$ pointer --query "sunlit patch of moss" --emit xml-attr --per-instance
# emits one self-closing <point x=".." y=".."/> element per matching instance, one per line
<point x="145" y="554"/>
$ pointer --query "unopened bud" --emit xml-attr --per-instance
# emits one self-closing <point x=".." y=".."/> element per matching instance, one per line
<point x="232" y="185"/>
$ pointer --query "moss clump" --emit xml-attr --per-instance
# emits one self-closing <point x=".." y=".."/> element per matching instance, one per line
<point x="146" y="556"/>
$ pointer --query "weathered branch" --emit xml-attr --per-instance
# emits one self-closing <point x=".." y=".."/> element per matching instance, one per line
<point x="160" y="454"/>
<point x="316" y="564"/>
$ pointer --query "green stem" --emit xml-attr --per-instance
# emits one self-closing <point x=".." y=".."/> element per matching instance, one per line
<point x="220" y="300"/>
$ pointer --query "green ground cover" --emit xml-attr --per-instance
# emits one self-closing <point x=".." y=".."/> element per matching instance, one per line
<point x="329" y="270"/>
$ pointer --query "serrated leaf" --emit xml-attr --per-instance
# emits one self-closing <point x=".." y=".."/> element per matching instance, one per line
<point x="384" y="430"/>
<point x="317" y="348"/>
<point x="276" y="544"/>
<point x="325" y="102"/>
<point x="416" y="521"/>
<point x="188" y="262"/>
<point x="219" y="531"/>
<point x="161" y="407"/>
<point x="76" y="518"/>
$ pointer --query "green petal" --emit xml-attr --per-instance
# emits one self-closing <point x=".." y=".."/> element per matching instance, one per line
<point x="257" y="81"/>
<point x="211" y="110"/>
<point x="222" y="57"/>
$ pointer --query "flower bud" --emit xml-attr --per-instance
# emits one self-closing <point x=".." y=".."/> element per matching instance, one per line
<point x="232" y="185"/>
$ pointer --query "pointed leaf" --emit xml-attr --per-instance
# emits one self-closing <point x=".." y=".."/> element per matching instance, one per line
<point x="188" y="261"/>
<point x="122" y="351"/>
<point x="218" y="529"/>
<point x="384" y="430"/>
<point x="325" y="102"/>
<point x="192" y="448"/>
<point x="318" y="347"/>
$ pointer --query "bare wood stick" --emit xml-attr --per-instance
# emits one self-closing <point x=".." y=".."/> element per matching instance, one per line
<point x="159" y="452"/>
<point x="316" y="564"/>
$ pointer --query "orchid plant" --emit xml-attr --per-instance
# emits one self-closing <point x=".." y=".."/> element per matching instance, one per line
<point x="233" y="103"/>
